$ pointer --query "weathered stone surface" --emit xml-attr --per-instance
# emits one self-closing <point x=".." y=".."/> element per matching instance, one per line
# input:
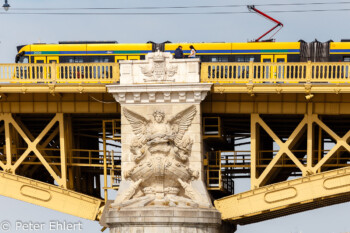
<point x="164" y="219"/>
<point x="162" y="187"/>
<point x="158" y="157"/>
<point x="159" y="67"/>
<point x="160" y="93"/>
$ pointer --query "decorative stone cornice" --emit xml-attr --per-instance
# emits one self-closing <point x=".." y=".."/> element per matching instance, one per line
<point x="160" y="93"/>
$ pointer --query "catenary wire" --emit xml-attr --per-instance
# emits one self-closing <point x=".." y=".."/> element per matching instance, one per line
<point x="167" y="13"/>
<point x="185" y="7"/>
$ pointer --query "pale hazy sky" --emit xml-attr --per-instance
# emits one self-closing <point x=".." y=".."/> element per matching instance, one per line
<point x="18" y="29"/>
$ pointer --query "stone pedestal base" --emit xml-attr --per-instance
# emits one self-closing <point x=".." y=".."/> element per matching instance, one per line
<point x="163" y="220"/>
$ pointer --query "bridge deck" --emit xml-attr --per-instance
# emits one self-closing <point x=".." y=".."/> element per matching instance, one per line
<point x="211" y="72"/>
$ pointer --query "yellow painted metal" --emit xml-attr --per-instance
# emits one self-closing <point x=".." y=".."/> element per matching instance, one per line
<point x="211" y="127"/>
<point x="287" y="197"/>
<point x="210" y="72"/>
<point x="213" y="169"/>
<point x="320" y="72"/>
<point x="70" y="88"/>
<point x="221" y="102"/>
<point x="49" y="196"/>
<point x="266" y="48"/>
<point x="311" y="165"/>
<point x="114" y="128"/>
<point x="58" y="162"/>
<point x="284" y="150"/>
<point x="339" y="48"/>
<point x="85" y="49"/>
<point x="120" y="58"/>
<point x="32" y="147"/>
<point x="92" y="103"/>
<point x="59" y="73"/>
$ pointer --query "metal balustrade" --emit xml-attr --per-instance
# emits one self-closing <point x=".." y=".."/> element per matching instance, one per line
<point x="212" y="72"/>
<point x="60" y="73"/>
<point x="296" y="72"/>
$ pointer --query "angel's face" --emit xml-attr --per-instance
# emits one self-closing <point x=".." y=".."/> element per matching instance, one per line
<point x="159" y="118"/>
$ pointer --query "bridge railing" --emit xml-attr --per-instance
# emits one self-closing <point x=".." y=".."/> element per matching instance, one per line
<point x="60" y="73"/>
<point x="212" y="72"/>
<point x="291" y="72"/>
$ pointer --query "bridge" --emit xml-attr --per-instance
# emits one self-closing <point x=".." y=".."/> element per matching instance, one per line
<point x="283" y="125"/>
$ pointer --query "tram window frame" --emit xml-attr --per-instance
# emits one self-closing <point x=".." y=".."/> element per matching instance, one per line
<point x="22" y="58"/>
<point x="245" y="58"/>
<point x="98" y="59"/>
<point x="218" y="58"/>
<point x="86" y="59"/>
<point x="22" y="72"/>
<point x="336" y="57"/>
<point x="346" y="59"/>
<point x="71" y="59"/>
<point x="293" y="57"/>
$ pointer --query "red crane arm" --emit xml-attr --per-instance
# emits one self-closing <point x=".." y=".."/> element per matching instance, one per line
<point x="252" y="7"/>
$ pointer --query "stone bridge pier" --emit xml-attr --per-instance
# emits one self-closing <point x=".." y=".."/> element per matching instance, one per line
<point x="162" y="155"/>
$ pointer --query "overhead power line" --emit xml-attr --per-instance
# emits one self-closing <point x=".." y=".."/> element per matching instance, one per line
<point x="166" y="13"/>
<point x="184" y="7"/>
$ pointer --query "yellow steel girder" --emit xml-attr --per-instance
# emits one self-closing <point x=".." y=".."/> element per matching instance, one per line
<point x="287" y="197"/>
<point x="63" y="103"/>
<point x="49" y="196"/>
<point x="312" y="165"/>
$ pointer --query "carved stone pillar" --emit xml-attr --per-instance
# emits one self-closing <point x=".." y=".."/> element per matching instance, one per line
<point x="162" y="156"/>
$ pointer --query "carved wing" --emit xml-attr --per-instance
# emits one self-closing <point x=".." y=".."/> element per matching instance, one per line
<point x="138" y="123"/>
<point x="181" y="122"/>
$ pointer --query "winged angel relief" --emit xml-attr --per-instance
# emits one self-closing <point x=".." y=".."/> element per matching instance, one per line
<point x="160" y="151"/>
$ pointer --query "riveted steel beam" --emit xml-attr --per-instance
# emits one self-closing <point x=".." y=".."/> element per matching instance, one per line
<point x="49" y="196"/>
<point x="287" y="197"/>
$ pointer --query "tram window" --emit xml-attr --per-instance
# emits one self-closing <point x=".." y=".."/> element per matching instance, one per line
<point x="24" y="59"/>
<point x="280" y="60"/>
<point x="78" y="60"/>
<point x="267" y="60"/>
<point x="102" y="59"/>
<point x="218" y="58"/>
<point x="346" y="59"/>
<point x="244" y="58"/>
<point x="70" y="59"/>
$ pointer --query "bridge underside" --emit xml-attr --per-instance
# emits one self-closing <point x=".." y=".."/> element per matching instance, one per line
<point x="52" y="145"/>
<point x="268" y="138"/>
<point x="272" y="139"/>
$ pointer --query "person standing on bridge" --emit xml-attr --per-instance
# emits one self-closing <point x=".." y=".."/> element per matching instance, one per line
<point x="193" y="52"/>
<point x="179" y="53"/>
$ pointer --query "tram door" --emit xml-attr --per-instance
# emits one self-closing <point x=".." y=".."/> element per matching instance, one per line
<point x="39" y="72"/>
<point x="273" y="72"/>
